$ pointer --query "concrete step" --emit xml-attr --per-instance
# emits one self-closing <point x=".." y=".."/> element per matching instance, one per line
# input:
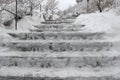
<point x="16" y="73"/>
<point x="57" y="30"/>
<point x="58" y="26"/>
<point x="60" y="59"/>
<point x="68" y="19"/>
<point x="57" y="35"/>
<point x="61" y="45"/>
<point x="57" y="22"/>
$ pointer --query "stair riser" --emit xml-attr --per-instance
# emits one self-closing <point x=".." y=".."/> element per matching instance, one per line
<point x="57" y="78"/>
<point x="55" y="26"/>
<point x="55" y="30"/>
<point x="58" y="26"/>
<point x="59" y="62"/>
<point x="57" y="22"/>
<point x="61" y="47"/>
<point x="57" y="36"/>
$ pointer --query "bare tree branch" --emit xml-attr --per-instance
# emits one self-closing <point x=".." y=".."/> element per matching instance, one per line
<point x="11" y="12"/>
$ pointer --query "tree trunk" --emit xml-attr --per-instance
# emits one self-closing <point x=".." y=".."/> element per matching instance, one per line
<point x="31" y="9"/>
<point x="40" y="10"/>
<point x="16" y="16"/>
<point x="87" y="6"/>
<point x="99" y="5"/>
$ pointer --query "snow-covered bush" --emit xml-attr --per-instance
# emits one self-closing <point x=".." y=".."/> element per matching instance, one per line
<point x="117" y="10"/>
<point x="116" y="3"/>
<point x="51" y="10"/>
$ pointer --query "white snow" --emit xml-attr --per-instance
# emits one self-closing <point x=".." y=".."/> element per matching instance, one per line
<point x="63" y="73"/>
<point x="55" y="17"/>
<point x="99" y="22"/>
<point x="4" y="37"/>
<point x="27" y="23"/>
<point x="76" y="54"/>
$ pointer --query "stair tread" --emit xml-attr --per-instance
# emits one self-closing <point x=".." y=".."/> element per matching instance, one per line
<point x="46" y="25"/>
<point x="66" y="32"/>
<point x="58" y="35"/>
<point x="59" y="30"/>
<point x="61" y="72"/>
<point x="61" y="54"/>
<point x="67" y="41"/>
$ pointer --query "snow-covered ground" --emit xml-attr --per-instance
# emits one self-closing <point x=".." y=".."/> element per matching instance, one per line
<point x="4" y="37"/>
<point x="99" y="22"/>
<point x="27" y="23"/>
<point x="24" y="25"/>
<point x="63" y="73"/>
<point x="94" y="22"/>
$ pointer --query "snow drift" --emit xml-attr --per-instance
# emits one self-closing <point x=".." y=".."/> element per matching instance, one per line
<point x="99" y="22"/>
<point x="27" y="23"/>
<point x="4" y="37"/>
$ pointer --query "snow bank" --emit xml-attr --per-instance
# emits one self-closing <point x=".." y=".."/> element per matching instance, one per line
<point x="4" y="37"/>
<point x="99" y="22"/>
<point x="115" y="11"/>
<point x="27" y="23"/>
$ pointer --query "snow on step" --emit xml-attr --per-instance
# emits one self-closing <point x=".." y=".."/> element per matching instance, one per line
<point x="60" y="59"/>
<point x="71" y="20"/>
<point x="56" y="22"/>
<point x="58" y="35"/>
<point x="61" y="45"/>
<point x="58" y="26"/>
<point x="56" y="30"/>
<point x="17" y="73"/>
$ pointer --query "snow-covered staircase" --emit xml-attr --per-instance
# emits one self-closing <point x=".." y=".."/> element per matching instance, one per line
<point x="60" y="52"/>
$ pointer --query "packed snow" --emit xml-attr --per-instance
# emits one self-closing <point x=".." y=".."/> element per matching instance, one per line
<point x="28" y="23"/>
<point x="99" y="22"/>
<point x="4" y="37"/>
<point x="62" y="73"/>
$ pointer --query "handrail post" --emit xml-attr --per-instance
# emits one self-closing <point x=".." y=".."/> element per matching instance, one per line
<point x="16" y="16"/>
